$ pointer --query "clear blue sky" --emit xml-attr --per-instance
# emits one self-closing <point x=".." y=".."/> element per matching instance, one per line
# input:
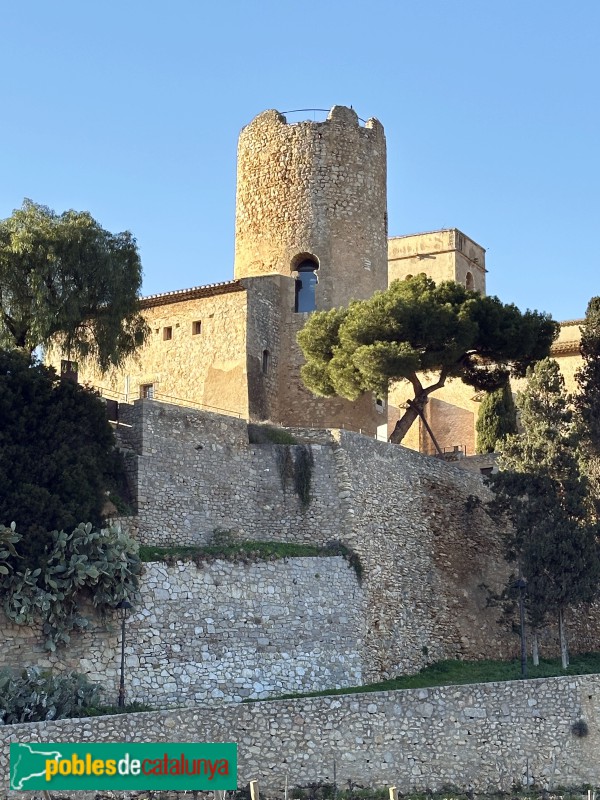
<point x="131" y="110"/>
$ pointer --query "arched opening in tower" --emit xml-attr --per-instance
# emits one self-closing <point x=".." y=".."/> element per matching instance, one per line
<point x="306" y="284"/>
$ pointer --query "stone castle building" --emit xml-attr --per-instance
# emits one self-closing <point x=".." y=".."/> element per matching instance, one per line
<point x="311" y="234"/>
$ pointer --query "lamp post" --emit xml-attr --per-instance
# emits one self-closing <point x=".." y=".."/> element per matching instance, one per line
<point x="124" y="606"/>
<point x="521" y="585"/>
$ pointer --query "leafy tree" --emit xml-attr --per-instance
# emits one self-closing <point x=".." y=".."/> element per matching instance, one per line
<point x="64" y="278"/>
<point x="542" y="491"/>
<point x="496" y="419"/>
<point x="414" y="329"/>
<point x="57" y="455"/>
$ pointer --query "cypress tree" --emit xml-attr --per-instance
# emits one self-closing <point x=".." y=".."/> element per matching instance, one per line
<point x="497" y="418"/>
<point x="587" y="401"/>
<point x="544" y="494"/>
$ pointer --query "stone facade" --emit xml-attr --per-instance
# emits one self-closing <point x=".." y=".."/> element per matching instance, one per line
<point x="195" y="353"/>
<point x="482" y="737"/>
<point x="316" y="191"/>
<point x="446" y="255"/>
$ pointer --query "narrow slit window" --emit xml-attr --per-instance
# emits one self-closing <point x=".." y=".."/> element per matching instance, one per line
<point x="265" y="361"/>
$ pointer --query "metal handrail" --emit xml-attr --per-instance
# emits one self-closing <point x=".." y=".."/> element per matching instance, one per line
<point x="112" y="394"/>
<point x="327" y="110"/>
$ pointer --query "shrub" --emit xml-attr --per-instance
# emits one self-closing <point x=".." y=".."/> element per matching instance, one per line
<point x="100" y="565"/>
<point x="34" y="696"/>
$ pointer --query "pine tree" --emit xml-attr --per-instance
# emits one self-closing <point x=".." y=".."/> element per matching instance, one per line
<point x="417" y="330"/>
<point x="497" y="418"/>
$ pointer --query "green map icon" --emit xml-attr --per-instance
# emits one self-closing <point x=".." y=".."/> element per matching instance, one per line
<point x="27" y="762"/>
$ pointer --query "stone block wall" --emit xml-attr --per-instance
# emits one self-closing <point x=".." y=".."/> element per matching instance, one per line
<point x="197" y="474"/>
<point x="482" y="737"/>
<point x="424" y="557"/>
<point x="220" y="631"/>
<point x="428" y="563"/>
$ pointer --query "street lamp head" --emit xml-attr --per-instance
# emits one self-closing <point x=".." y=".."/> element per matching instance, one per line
<point x="124" y="606"/>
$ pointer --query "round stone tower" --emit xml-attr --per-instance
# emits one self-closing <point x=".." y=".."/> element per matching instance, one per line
<point x="311" y="203"/>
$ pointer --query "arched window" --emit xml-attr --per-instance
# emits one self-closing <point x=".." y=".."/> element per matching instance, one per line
<point x="306" y="283"/>
<point x="265" y="362"/>
<point x="469" y="281"/>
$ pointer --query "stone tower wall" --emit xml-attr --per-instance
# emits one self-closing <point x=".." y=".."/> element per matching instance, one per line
<point x="446" y="255"/>
<point x="318" y="189"/>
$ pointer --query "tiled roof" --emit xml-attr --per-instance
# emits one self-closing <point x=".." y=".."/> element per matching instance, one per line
<point x="565" y="348"/>
<point x="179" y="295"/>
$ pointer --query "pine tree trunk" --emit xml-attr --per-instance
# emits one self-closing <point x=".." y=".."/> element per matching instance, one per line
<point x="535" y="650"/>
<point x="406" y="420"/>
<point x="564" y="650"/>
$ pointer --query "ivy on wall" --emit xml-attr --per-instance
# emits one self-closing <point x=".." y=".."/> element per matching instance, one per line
<point x="295" y="464"/>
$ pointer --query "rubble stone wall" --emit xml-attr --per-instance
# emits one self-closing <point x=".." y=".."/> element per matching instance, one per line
<point x="482" y="737"/>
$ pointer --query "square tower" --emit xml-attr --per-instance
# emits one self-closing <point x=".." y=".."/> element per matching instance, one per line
<point x="446" y="255"/>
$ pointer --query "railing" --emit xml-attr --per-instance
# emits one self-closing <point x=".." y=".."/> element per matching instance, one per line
<point x="452" y="453"/>
<point x="314" y="112"/>
<point x="121" y="397"/>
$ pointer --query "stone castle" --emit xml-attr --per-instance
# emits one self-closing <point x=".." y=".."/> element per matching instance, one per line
<point x="311" y="234"/>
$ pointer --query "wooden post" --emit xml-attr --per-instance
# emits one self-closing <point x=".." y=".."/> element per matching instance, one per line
<point x="254" y="793"/>
<point x="393" y="793"/>
<point x="421" y="413"/>
<point x="220" y="794"/>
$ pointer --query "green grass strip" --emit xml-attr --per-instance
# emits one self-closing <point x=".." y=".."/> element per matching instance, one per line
<point x="452" y="673"/>
<point x="233" y="550"/>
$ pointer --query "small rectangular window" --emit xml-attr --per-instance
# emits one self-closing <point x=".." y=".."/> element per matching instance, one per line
<point x="167" y="333"/>
<point x="197" y="327"/>
<point x="147" y="391"/>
